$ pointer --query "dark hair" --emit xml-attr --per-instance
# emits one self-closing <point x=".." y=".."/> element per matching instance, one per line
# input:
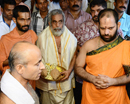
<point x="108" y="13"/>
<point x="36" y="1"/>
<point x="99" y="3"/>
<point x="10" y="2"/>
<point x="19" y="8"/>
<point x="115" y="0"/>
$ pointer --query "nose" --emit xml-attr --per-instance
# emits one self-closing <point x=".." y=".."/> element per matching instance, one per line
<point x="57" y="24"/>
<point x="11" y="12"/>
<point x="42" y="4"/>
<point x="26" y="22"/>
<point x="106" y="31"/>
<point x="75" y="2"/>
<point x="42" y="66"/>
<point x="123" y="3"/>
<point x="96" y="13"/>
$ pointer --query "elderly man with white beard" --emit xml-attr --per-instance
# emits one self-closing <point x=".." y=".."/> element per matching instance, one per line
<point x="58" y="46"/>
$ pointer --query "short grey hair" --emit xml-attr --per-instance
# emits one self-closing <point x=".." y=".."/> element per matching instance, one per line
<point x="17" y="57"/>
<point x="55" y="12"/>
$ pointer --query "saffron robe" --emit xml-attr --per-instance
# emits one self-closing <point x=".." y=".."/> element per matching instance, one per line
<point x="107" y="60"/>
<point x="8" y="40"/>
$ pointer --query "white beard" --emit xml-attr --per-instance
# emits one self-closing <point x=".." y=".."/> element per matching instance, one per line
<point x="57" y="33"/>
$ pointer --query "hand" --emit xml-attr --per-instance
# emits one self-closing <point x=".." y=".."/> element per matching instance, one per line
<point x="102" y="81"/>
<point x="107" y="80"/>
<point x="98" y="82"/>
<point x="44" y="80"/>
<point x="66" y="74"/>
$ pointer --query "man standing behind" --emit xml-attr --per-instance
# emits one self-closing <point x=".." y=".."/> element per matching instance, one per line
<point x="58" y="46"/>
<point x="84" y="32"/>
<point x="64" y="5"/>
<point x="74" y="15"/>
<point x="21" y="16"/>
<point x="89" y="29"/>
<point x="6" y="22"/>
<point x="25" y="63"/>
<point x="39" y="19"/>
<point x="120" y="7"/>
<point x="106" y="57"/>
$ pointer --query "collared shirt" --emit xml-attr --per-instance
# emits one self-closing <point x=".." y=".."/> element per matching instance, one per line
<point x="86" y="31"/>
<point x="125" y="24"/>
<point x="84" y="5"/>
<point x="72" y="23"/>
<point x="53" y="5"/>
<point x="4" y="28"/>
<point x="38" y="24"/>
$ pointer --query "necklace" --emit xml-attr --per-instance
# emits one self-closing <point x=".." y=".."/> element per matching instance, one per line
<point x="59" y="46"/>
<point x="59" y="51"/>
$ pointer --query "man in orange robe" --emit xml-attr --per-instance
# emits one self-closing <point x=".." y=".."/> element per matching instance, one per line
<point x="21" y="16"/>
<point x="108" y="61"/>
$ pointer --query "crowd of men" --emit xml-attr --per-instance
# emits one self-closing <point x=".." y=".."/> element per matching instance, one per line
<point x="93" y="49"/>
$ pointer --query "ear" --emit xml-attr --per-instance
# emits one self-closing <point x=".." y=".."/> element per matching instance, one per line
<point x="114" y="3"/>
<point x="1" y="9"/>
<point x="20" y="68"/>
<point x="14" y="19"/>
<point x="118" y="24"/>
<point x="36" y="5"/>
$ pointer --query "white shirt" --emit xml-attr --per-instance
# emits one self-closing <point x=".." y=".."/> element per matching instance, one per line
<point x="4" y="28"/>
<point x="28" y="3"/>
<point x="53" y="5"/>
<point x="84" y="5"/>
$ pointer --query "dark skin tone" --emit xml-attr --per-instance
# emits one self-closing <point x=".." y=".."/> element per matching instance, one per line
<point x="120" y="7"/>
<point x="42" y="6"/>
<point x="75" y="11"/>
<point x="7" y="13"/>
<point x="23" y="19"/>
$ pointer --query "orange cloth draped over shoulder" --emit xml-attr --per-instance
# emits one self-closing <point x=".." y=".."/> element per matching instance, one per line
<point x="110" y="63"/>
<point x="8" y="40"/>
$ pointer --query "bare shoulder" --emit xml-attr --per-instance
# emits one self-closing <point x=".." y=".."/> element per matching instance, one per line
<point x="4" y="99"/>
<point x="91" y="44"/>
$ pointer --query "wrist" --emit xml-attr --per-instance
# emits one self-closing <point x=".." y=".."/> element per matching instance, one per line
<point x="113" y="82"/>
<point x="91" y="79"/>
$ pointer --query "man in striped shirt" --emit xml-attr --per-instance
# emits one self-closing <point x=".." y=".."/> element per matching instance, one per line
<point x="40" y="18"/>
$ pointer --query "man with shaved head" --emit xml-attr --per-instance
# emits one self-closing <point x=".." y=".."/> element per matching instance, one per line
<point x="25" y="64"/>
<point x="108" y="59"/>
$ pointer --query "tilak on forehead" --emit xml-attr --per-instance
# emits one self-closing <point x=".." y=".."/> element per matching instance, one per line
<point x="107" y="17"/>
